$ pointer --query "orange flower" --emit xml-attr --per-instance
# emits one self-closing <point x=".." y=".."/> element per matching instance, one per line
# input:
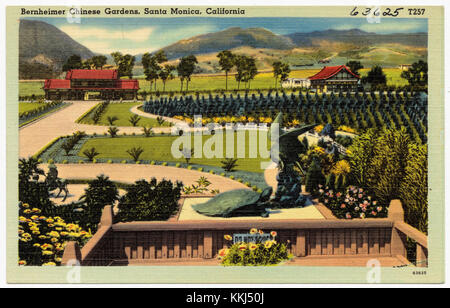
<point x="227" y="237"/>
<point x="223" y="252"/>
<point x="261" y="232"/>
<point x="242" y="246"/>
<point x="253" y="231"/>
<point x="273" y="233"/>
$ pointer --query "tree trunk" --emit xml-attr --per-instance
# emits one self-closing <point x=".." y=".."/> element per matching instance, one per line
<point x="226" y="80"/>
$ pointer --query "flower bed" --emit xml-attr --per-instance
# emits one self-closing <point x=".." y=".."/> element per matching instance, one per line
<point x="258" y="253"/>
<point x="42" y="239"/>
<point x="354" y="202"/>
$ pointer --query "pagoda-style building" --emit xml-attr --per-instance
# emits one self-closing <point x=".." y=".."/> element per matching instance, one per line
<point x="84" y="84"/>
<point x="335" y="78"/>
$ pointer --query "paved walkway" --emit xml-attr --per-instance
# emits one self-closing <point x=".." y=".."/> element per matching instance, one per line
<point x="141" y="113"/>
<point x="35" y="136"/>
<point x="129" y="173"/>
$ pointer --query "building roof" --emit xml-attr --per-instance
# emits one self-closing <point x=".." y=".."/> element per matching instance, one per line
<point x="128" y="84"/>
<point x="56" y="84"/>
<point x="122" y="84"/>
<point x="92" y="74"/>
<point x="329" y="71"/>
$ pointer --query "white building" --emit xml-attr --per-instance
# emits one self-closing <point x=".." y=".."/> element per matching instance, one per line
<point x="296" y="83"/>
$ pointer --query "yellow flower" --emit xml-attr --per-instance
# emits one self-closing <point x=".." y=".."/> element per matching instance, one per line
<point x="34" y="217"/>
<point x="341" y="167"/>
<point x="50" y="220"/>
<point x="252" y="246"/>
<point x="27" y="211"/>
<point x="36" y="210"/>
<point x="54" y="240"/>
<point x="253" y="231"/>
<point x="227" y="237"/>
<point x="223" y="252"/>
<point x="242" y="246"/>
<point x="268" y="244"/>
<point x="36" y="232"/>
<point x="49" y="264"/>
<point x="26" y="205"/>
<point x="47" y="252"/>
<point x="22" y="219"/>
<point x="37" y="245"/>
<point x="58" y="259"/>
<point x="53" y="234"/>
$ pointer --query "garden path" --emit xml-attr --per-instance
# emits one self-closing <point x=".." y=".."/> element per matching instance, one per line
<point x="129" y="173"/>
<point x="141" y="113"/>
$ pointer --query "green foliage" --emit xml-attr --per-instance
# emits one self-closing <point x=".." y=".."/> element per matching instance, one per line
<point x="352" y="202"/>
<point x="392" y="166"/>
<point x="185" y="69"/>
<point x="112" y="119"/>
<point x="71" y="141"/>
<point x="112" y="130"/>
<point x="147" y="201"/>
<point x="148" y="131"/>
<point x="125" y="64"/>
<point x="100" y="192"/>
<point x="226" y="62"/>
<point x="314" y="177"/>
<point x="91" y="153"/>
<point x="414" y="187"/>
<point x="135" y="152"/>
<point x="417" y="74"/>
<point x="354" y="66"/>
<point x="73" y="62"/>
<point x="280" y="71"/>
<point x="134" y="119"/>
<point x="254" y="254"/>
<point x="375" y="76"/>
<point x="229" y="164"/>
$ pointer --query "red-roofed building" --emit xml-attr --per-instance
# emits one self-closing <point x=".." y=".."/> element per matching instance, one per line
<point x="335" y="78"/>
<point x="87" y="84"/>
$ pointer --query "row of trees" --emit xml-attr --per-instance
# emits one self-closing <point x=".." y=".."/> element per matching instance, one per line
<point x="75" y="62"/>
<point x="416" y="75"/>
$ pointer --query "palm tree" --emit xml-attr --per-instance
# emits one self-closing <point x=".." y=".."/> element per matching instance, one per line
<point x="147" y="131"/>
<point x="91" y="153"/>
<point x="112" y="119"/>
<point x="135" y="153"/>
<point x="134" y="119"/>
<point x="112" y="130"/>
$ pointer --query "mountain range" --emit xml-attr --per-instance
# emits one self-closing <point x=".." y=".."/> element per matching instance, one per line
<point x="42" y="45"/>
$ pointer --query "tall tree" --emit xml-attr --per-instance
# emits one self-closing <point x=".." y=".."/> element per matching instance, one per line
<point x="226" y="62"/>
<point x="280" y="71"/>
<point x="240" y="62"/>
<point x="185" y="69"/>
<point x="375" y="76"/>
<point x="152" y="66"/>
<point x="250" y="70"/>
<point x="354" y="66"/>
<point x="166" y="74"/>
<point x="125" y="64"/>
<point x="417" y="74"/>
<point x="73" y="62"/>
<point x="99" y="61"/>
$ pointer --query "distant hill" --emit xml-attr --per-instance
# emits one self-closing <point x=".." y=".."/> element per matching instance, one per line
<point x="357" y="37"/>
<point x="43" y="45"/>
<point x="228" y="39"/>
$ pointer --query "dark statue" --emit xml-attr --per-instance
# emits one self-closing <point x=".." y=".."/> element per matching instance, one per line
<point x="244" y="202"/>
<point x="53" y="182"/>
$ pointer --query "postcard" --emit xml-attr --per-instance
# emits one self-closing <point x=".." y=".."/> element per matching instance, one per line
<point x="225" y="144"/>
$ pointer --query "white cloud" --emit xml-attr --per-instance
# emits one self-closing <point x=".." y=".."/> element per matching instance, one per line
<point x="82" y="33"/>
<point x="105" y="47"/>
<point x="386" y="26"/>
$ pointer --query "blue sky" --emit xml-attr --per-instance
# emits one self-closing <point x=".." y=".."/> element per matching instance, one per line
<point x="139" y="35"/>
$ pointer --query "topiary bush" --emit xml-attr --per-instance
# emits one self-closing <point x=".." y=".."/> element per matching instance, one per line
<point x="145" y="201"/>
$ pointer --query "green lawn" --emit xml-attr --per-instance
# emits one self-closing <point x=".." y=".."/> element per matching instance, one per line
<point x="123" y="113"/>
<point x="158" y="148"/>
<point x="28" y="88"/>
<point x="24" y="107"/>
